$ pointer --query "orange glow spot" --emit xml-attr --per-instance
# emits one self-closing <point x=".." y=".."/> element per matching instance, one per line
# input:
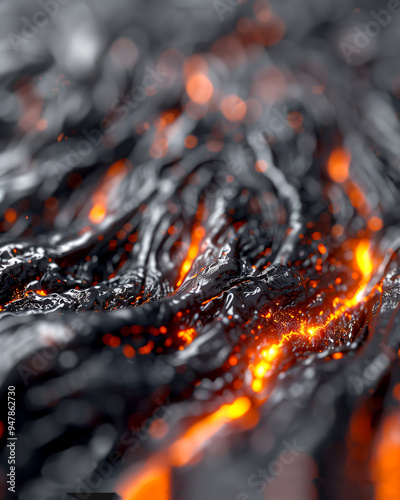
<point x="153" y="482"/>
<point x="337" y="355"/>
<point x="271" y="354"/>
<point x="233" y="360"/>
<point x="396" y="391"/>
<point x="41" y="124"/>
<point x="113" y="177"/>
<point x="185" y="448"/>
<point x="51" y="203"/>
<point x="129" y="351"/>
<point x="257" y="385"/>
<point x="338" y="165"/>
<point x="146" y="349"/>
<point x="322" y="249"/>
<point x="337" y="230"/>
<point x="356" y="196"/>
<point x="187" y="335"/>
<point x="261" y="369"/>
<point x="237" y="409"/>
<point x="375" y="223"/>
<point x="316" y="236"/>
<point x="158" y="429"/>
<point x="261" y="166"/>
<point x="43" y="293"/>
<point x="199" y="88"/>
<point x="214" y="145"/>
<point x="191" y="141"/>
<point x="59" y="138"/>
<point x="363" y="259"/>
<point x="386" y="459"/>
<point x="10" y="215"/>
<point x="263" y="11"/>
<point x="233" y="108"/>
<point x="97" y="213"/>
<point x="159" y="148"/>
<point x="114" y="341"/>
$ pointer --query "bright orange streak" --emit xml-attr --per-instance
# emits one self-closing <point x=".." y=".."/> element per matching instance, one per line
<point x="97" y="213"/>
<point x="153" y="482"/>
<point x="114" y="176"/>
<point x="197" y="235"/>
<point x="43" y="293"/>
<point x="185" y="448"/>
<point x="338" y="165"/>
<point x="271" y="353"/>
<point x="363" y="259"/>
<point x="386" y="459"/>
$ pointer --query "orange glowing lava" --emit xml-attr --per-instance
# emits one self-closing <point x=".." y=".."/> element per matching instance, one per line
<point x="268" y="355"/>
<point x="113" y="177"/>
<point x="153" y="480"/>
<point x="363" y="259"/>
<point x="197" y="235"/>
<point x="338" y="165"/>
<point x="187" y="335"/>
